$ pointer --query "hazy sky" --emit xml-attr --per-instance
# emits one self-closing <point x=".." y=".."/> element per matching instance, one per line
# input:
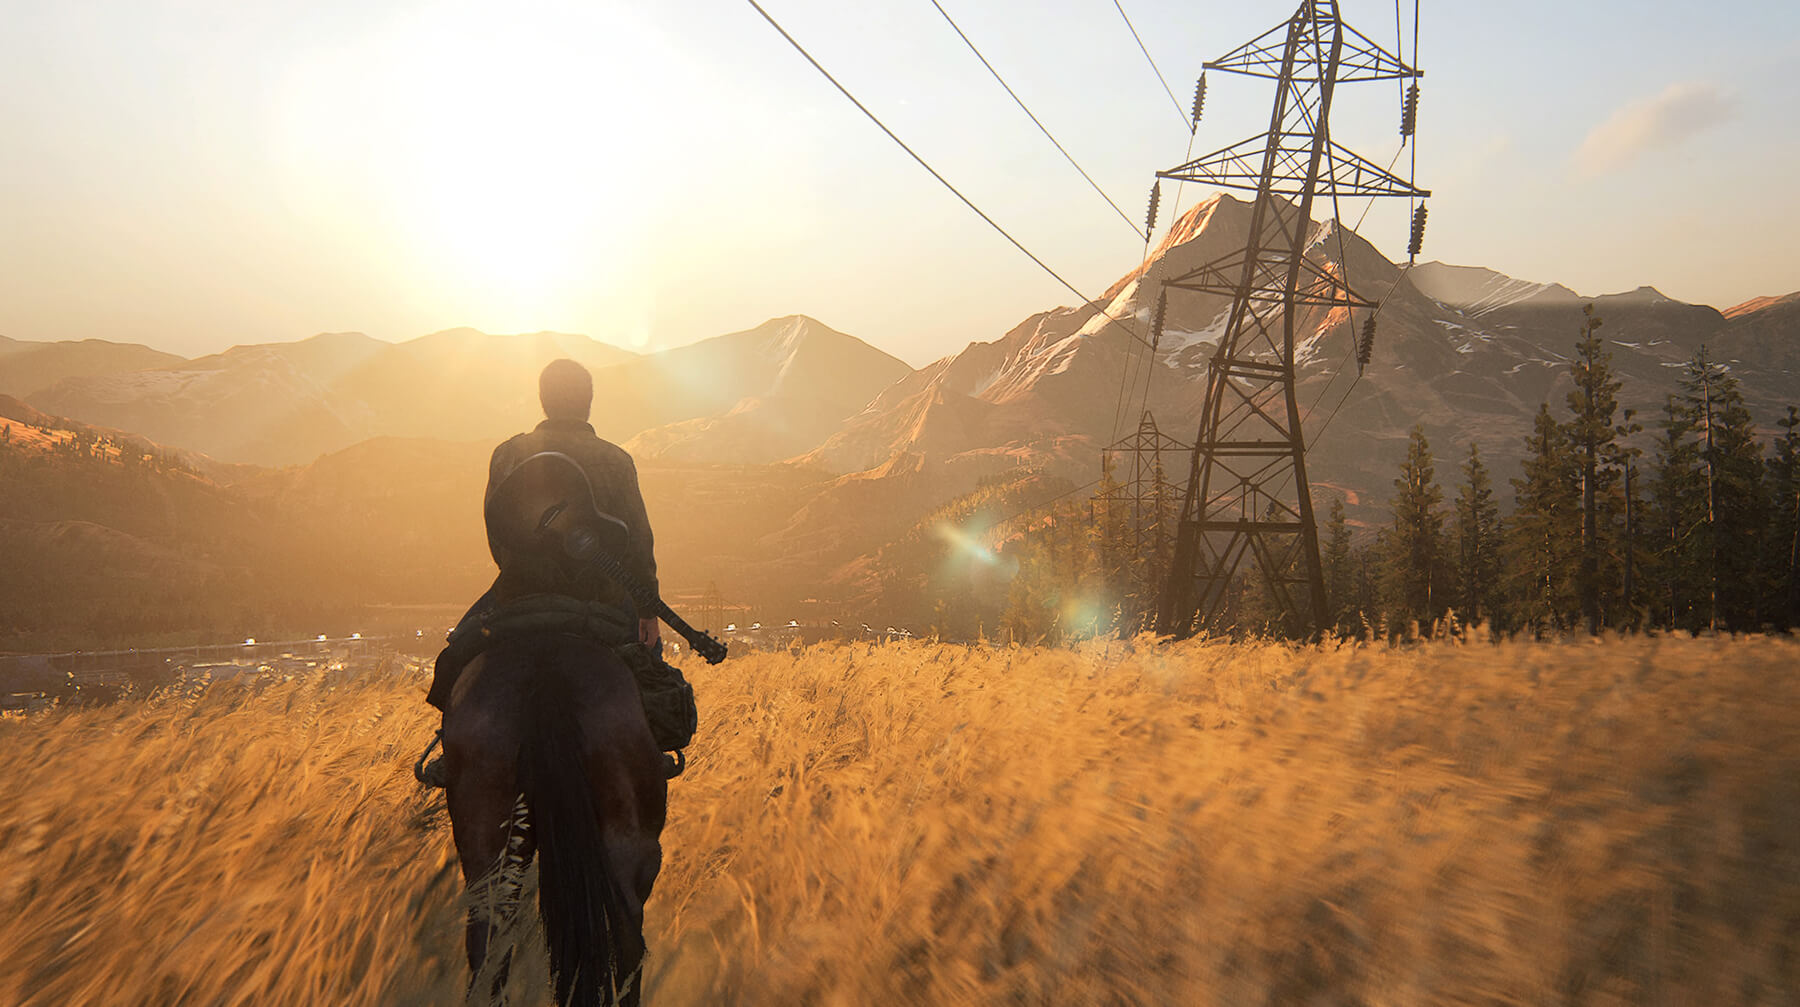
<point x="193" y="174"/>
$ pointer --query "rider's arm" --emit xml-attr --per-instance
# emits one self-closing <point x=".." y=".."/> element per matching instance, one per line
<point x="499" y="465"/>
<point x="640" y="551"/>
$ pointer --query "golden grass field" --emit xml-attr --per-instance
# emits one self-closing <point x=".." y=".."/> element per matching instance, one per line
<point x="1608" y="822"/>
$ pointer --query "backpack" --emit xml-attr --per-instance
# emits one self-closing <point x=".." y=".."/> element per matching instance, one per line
<point x="668" y="698"/>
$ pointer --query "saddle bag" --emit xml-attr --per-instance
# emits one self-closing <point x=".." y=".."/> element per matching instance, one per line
<point x="668" y="698"/>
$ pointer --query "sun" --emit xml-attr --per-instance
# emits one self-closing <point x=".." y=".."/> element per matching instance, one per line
<point x="507" y="153"/>
<point x="514" y="150"/>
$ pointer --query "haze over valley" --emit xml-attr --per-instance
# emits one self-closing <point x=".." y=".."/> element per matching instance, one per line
<point x="340" y="472"/>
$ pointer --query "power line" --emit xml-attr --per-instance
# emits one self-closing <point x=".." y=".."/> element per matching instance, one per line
<point x="1034" y="120"/>
<point x="1357" y="229"/>
<point x="1155" y="346"/>
<point x="1337" y="226"/>
<point x="1334" y="409"/>
<point x="1344" y="260"/>
<point x="1413" y="173"/>
<point x="1125" y="409"/>
<point x="1132" y="352"/>
<point x="1181" y="184"/>
<point x="1144" y="233"/>
<point x="1179" y="111"/>
<point x="934" y="172"/>
<point x="1129" y="373"/>
<point x="1193" y="125"/>
<point x="1125" y="371"/>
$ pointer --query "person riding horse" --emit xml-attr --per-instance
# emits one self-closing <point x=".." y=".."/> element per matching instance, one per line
<point x="566" y="391"/>
<point x="559" y="711"/>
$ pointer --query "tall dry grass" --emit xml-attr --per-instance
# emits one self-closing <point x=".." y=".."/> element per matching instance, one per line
<point x="1203" y="823"/>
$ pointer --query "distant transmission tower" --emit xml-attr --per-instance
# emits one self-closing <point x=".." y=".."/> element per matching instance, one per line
<point x="1147" y="503"/>
<point x="1247" y="491"/>
<point x="712" y="608"/>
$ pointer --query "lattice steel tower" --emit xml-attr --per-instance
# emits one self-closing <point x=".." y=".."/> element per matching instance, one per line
<point x="1146" y="502"/>
<point x="1247" y="491"/>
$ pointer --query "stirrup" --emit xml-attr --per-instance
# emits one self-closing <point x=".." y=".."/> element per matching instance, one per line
<point x="431" y="775"/>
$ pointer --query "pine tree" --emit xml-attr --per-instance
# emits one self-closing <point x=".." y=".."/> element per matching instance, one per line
<point x="1735" y="505"/>
<point x="1161" y="540"/>
<point x="1543" y="540"/>
<point x="1590" y="432"/>
<point x="1622" y="458"/>
<point x="1111" y="537"/>
<point x="1478" y="540"/>
<point x="1044" y="601"/>
<point x="1340" y="583"/>
<point x="1784" y="524"/>
<point x="1027" y="616"/>
<point x="1677" y="514"/>
<point x="1365" y="560"/>
<point x="1415" y="581"/>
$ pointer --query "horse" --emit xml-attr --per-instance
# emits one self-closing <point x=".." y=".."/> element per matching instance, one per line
<point x="548" y="752"/>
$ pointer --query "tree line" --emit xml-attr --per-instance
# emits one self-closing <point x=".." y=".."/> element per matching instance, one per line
<point x="1701" y="532"/>
<point x="1688" y="519"/>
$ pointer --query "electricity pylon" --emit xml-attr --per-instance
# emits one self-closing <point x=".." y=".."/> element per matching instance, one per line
<point x="1247" y="490"/>
<point x="1142" y="495"/>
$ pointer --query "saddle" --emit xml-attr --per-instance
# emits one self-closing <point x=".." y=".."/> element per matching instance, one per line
<point x="667" y="697"/>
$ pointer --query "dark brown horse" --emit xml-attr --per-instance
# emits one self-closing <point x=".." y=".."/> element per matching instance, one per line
<point x="548" y="752"/>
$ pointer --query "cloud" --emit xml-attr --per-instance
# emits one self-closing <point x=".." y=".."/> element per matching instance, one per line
<point x="1679" y="112"/>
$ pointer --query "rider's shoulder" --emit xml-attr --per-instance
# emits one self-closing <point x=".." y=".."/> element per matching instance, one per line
<point x="513" y="447"/>
<point x="613" y="451"/>
<point x="573" y="437"/>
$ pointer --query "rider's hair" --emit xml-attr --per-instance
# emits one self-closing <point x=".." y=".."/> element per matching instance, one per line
<point x="566" y="389"/>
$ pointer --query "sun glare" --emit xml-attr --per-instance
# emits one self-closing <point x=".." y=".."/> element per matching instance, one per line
<point x="507" y="156"/>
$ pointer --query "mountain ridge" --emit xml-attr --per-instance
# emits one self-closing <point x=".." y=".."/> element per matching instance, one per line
<point x="1467" y="351"/>
<point x="807" y="378"/>
<point x="287" y="403"/>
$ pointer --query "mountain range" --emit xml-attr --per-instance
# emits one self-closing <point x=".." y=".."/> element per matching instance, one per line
<point x="1467" y="352"/>
<point x="791" y="379"/>
<point x="779" y="459"/>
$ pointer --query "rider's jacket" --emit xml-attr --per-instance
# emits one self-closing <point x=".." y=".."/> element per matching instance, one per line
<point x="611" y="473"/>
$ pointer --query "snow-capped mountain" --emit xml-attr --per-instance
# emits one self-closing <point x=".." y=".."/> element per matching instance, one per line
<point x="1476" y="291"/>
<point x="1466" y="351"/>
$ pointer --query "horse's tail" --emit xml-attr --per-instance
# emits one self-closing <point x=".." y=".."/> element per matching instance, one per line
<point x="586" y="923"/>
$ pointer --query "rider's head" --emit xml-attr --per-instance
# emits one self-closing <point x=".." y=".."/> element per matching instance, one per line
<point x="566" y="390"/>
